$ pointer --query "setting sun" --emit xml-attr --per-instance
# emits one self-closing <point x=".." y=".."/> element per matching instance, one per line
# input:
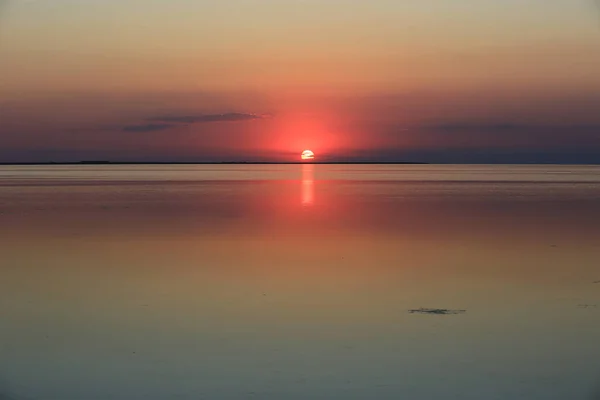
<point x="308" y="155"/>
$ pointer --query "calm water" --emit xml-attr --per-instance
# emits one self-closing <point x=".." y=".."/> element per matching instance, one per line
<point x="294" y="282"/>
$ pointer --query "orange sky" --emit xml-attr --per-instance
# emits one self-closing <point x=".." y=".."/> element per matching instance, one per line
<point x="344" y="78"/>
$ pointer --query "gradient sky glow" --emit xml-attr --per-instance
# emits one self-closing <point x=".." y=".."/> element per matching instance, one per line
<point x="211" y="80"/>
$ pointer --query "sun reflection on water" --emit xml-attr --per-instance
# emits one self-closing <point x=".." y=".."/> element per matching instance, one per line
<point x="308" y="184"/>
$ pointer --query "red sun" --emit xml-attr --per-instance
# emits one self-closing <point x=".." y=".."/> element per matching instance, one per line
<point x="307" y="155"/>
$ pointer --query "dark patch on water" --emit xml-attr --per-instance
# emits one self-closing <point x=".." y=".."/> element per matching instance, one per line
<point x="436" y="311"/>
<point x="587" y="305"/>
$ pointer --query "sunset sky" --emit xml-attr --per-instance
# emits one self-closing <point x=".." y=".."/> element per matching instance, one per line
<point x="262" y="80"/>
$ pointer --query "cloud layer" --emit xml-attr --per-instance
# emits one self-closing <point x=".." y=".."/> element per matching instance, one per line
<point x="198" y="119"/>
<point x="167" y="122"/>
<point x="147" y="128"/>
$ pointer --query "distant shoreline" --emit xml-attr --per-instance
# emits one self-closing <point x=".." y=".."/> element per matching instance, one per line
<point x="83" y="163"/>
<point x="212" y="163"/>
<point x="99" y="163"/>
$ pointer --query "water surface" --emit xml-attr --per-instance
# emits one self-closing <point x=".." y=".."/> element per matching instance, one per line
<point x="296" y="281"/>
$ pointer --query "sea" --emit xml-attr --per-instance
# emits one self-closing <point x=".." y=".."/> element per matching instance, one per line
<point x="299" y="281"/>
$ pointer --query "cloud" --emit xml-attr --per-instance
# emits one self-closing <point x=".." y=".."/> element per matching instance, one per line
<point x="508" y="128"/>
<point x="168" y="122"/>
<point x="500" y="127"/>
<point x="197" y="119"/>
<point x="147" y="128"/>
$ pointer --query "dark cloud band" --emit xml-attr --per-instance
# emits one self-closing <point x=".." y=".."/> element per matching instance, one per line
<point x="196" y="119"/>
<point x="147" y="128"/>
<point x="167" y="122"/>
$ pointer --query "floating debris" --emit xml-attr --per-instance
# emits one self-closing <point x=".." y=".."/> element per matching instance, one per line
<point x="587" y="305"/>
<point x="597" y="282"/>
<point x="436" y="311"/>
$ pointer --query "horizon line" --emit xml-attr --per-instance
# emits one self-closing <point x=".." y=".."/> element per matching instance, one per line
<point x="84" y="163"/>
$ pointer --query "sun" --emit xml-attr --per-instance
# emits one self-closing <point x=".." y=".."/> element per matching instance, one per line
<point x="307" y="155"/>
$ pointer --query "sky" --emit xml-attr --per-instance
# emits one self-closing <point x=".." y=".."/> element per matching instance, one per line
<point x="462" y="81"/>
